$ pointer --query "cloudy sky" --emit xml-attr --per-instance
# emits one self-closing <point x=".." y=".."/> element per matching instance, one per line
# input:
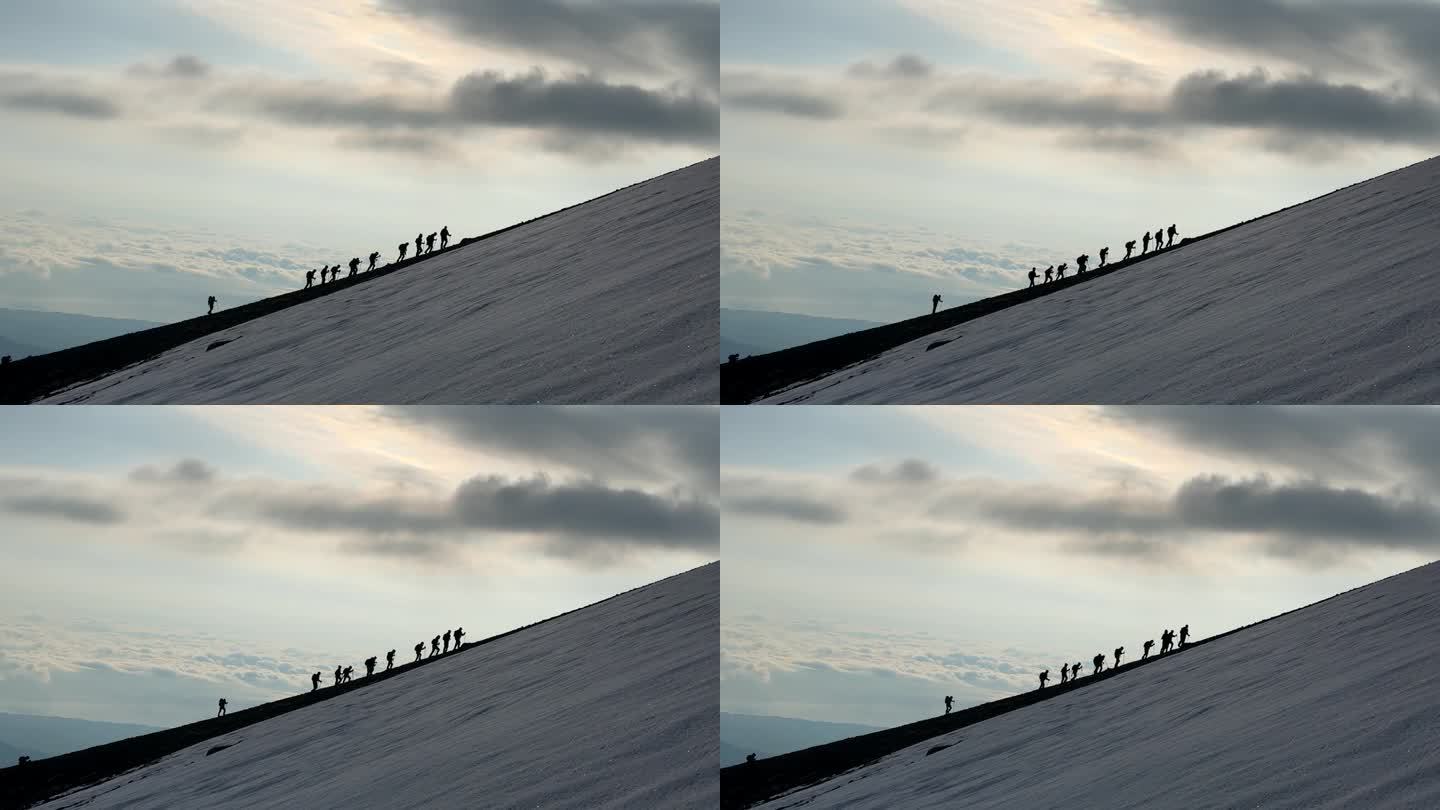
<point x="159" y="558"/>
<point x="159" y="151"/>
<point x="898" y="148"/>
<point x="878" y="559"/>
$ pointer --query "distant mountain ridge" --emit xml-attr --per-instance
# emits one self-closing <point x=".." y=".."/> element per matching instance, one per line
<point x="767" y="736"/>
<point x="747" y="331"/>
<point x="24" y="332"/>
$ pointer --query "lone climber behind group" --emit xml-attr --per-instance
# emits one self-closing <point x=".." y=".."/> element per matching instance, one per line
<point x="223" y="701"/>
<point x="949" y="701"/>
<point x="314" y="682"/>
<point x="212" y="306"/>
<point x="935" y="303"/>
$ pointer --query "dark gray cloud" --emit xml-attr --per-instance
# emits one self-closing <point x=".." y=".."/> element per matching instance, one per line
<point x="76" y="508"/>
<point x="904" y="66"/>
<point x="632" y="442"/>
<point x="788" y="507"/>
<point x="793" y="103"/>
<point x="1101" y="516"/>
<point x="587" y="511"/>
<point x="317" y="511"/>
<point x="656" y="37"/>
<point x="186" y="471"/>
<point x="911" y="471"/>
<point x="28" y="93"/>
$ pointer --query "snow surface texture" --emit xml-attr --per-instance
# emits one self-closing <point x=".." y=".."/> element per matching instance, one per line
<point x="612" y="301"/>
<point x="1331" y="301"/>
<point x="610" y="707"/>
<point x="1332" y="706"/>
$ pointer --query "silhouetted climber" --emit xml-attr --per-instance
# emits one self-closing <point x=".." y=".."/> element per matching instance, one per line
<point x="1032" y="277"/>
<point x="1060" y="271"/>
<point x="419" y="237"/>
<point x="734" y="357"/>
<point x="1064" y="673"/>
<point x="430" y="243"/>
<point x="349" y="674"/>
<point x="1099" y="663"/>
<point x="1080" y="262"/>
<point x="26" y="761"/>
<point x="949" y="702"/>
<point x="1148" y="645"/>
<point x="374" y="257"/>
<point x="1044" y="676"/>
<point x="389" y="660"/>
<point x="1159" y="238"/>
<point x="1147" y="244"/>
<point x="369" y="666"/>
<point x="1184" y="634"/>
<point x="447" y="641"/>
<point x="444" y="237"/>
<point x="324" y="273"/>
<point x="314" y="682"/>
<point x="748" y="757"/>
<point x="935" y="303"/>
<point x="1166" y="639"/>
<point x="1129" y="249"/>
<point x="1075" y="671"/>
<point x="1119" y="651"/>
<point x="1049" y="274"/>
<point x="339" y="673"/>
<point x="435" y="646"/>
<point x="309" y="279"/>
<point x="459" y="631"/>
<point x="354" y="265"/>
<point x="212" y="306"/>
<point x="1104" y="256"/>
<point x="404" y="246"/>
<point x="1172" y="231"/>
<point x="222" y="707"/>
<point x="418" y="648"/>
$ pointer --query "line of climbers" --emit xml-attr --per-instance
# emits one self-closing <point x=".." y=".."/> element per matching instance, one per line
<point x="440" y="645"/>
<point x="428" y="243"/>
<point x="1053" y="273"/>
<point x="1070" y="673"/>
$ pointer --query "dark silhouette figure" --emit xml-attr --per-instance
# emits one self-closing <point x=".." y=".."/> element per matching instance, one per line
<point x="1104" y="256"/>
<point x="1166" y="639"/>
<point x="1099" y="663"/>
<point x="222" y="707"/>
<point x="1148" y="645"/>
<point x="354" y="266"/>
<point x="26" y="761"/>
<point x="1064" y="673"/>
<point x="734" y="357"/>
<point x="1075" y="671"/>
<point x="418" y="648"/>
<point x="1159" y="239"/>
<point x="1032" y="277"/>
<point x="435" y="646"/>
<point x="748" y="757"/>
<point x="1147" y="244"/>
<point x="1184" y="634"/>
<point x="309" y="279"/>
<point x="444" y="237"/>
<point x="1080" y="262"/>
<point x="949" y="702"/>
<point x="1129" y="249"/>
<point x="374" y="257"/>
<point x="404" y="246"/>
<point x="1119" y="651"/>
<point x="212" y="306"/>
<point x="369" y="666"/>
<point x="430" y="243"/>
<point x="935" y="303"/>
<point x="324" y="273"/>
<point x="339" y="674"/>
<point x="1060" y="271"/>
<point x="1172" y="232"/>
<point x="1049" y="274"/>
<point x="447" y="642"/>
<point x="1044" y="676"/>
<point x="419" y="237"/>
<point x="389" y="660"/>
<point x="459" y="631"/>
<point x="314" y="682"/>
<point x="349" y="674"/>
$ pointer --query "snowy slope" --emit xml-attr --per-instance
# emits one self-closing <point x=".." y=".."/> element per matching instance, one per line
<point x="612" y="301"/>
<point x="1331" y="301"/>
<point x="1332" y="706"/>
<point x="609" y="707"/>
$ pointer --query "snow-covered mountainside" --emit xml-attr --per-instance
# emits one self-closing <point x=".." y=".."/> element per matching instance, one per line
<point x="612" y="301"/>
<point x="612" y="706"/>
<point x="1330" y="301"/>
<point x="1330" y="706"/>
